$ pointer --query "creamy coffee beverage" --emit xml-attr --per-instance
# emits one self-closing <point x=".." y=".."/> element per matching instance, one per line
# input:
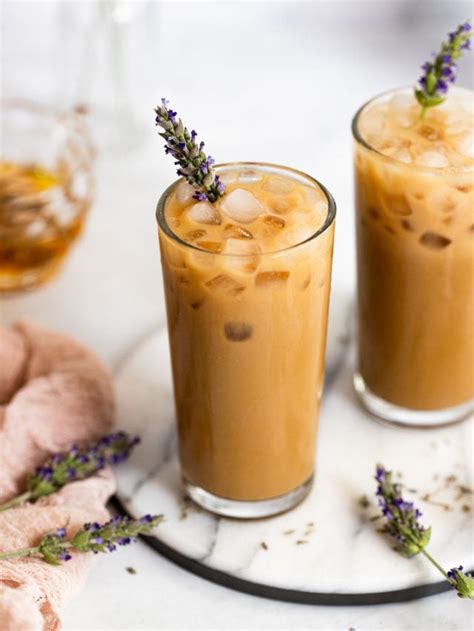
<point x="247" y="287"/>
<point x="414" y="181"/>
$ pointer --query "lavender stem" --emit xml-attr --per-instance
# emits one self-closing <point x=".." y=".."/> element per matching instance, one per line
<point x="16" y="501"/>
<point x="435" y="563"/>
<point x="26" y="552"/>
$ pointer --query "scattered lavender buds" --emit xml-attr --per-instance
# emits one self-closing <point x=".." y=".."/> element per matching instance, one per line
<point x="410" y="536"/>
<point x="119" y="531"/>
<point x="438" y="74"/>
<point x="77" y="464"/>
<point x="193" y="163"/>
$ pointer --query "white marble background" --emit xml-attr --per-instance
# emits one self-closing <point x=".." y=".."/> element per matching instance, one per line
<point x="275" y="81"/>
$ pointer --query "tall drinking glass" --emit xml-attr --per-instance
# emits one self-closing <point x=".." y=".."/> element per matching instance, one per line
<point x="247" y="306"/>
<point x="414" y="180"/>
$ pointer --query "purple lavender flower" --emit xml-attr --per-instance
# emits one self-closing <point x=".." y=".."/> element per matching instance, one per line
<point x="452" y="572"/>
<point x="442" y="86"/>
<point x="402" y="517"/>
<point x="434" y="83"/>
<point x="119" y="531"/>
<point x="77" y="464"/>
<point x="189" y="156"/>
<point x="220" y="185"/>
<point x="52" y="548"/>
<point x="410" y="536"/>
<point x="94" y="537"/>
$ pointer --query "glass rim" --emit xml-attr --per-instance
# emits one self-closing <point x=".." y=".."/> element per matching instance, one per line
<point x="329" y="220"/>
<point x="356" y="134"/>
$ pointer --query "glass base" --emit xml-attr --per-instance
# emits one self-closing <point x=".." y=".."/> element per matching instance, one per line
<point x="405" y="417"/>
<point x="254" y="509"/>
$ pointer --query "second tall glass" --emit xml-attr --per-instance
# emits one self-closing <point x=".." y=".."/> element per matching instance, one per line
<point x="414" y="180"/>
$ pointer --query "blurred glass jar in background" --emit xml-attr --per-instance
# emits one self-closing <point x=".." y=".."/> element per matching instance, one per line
<point x="46" y="189"/>
<point x="108" y="49"/>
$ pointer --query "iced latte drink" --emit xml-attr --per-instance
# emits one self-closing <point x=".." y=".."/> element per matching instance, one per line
<point x="415" y="246"/>
<point x="247" y="286"/>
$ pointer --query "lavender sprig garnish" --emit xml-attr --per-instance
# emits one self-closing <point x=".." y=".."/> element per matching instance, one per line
<point x="194" y="164"/>
<point x="410" y="536"/>
<point x="93" y="537"/>
<point x="438" y="74"/>
<point x="77" y="464"/>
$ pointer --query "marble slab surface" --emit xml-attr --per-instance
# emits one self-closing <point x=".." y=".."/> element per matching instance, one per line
<point x="328" y="544"/>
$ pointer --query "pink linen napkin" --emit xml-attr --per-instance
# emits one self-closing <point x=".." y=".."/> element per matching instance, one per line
<point x="33" y="593"/>
<point x="53" y="393"/>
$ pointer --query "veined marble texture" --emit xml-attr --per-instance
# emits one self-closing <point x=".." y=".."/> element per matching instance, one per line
<point x="328" y="544"/>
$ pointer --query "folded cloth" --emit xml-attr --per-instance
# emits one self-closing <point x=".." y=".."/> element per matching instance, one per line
<point x="53" y="393"/>
<point x="33" y="593"/>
